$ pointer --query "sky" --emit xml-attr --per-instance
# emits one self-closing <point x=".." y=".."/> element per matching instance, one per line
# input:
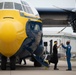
<point x="50" y="4"/>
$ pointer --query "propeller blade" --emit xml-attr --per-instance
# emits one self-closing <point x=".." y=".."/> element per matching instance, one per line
<point x="61" y="30"/>
<point x="68" y="11"/>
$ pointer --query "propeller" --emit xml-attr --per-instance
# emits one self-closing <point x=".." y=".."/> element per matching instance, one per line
<point x="61" y="30"/>
<point x="66" y="26"/>
<point x="70" y="12"/>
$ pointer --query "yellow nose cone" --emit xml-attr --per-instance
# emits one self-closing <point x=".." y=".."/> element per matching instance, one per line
<point x="7" y="32"/>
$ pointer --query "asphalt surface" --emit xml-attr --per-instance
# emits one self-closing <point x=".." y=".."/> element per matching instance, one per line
<point x="29" y="69"/>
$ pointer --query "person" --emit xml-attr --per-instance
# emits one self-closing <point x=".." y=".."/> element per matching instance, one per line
<point x="68" y="54"/>
<point x="55" y="55"/>
<point x="21" y="60"/>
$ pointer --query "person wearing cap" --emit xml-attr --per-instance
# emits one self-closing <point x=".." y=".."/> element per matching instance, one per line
<point x="68" y="54"/>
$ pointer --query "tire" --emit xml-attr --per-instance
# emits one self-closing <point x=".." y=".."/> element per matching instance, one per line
<point x="37" y="64"/>
<point x="13" y="63"/>
<point x="3" y="62"/>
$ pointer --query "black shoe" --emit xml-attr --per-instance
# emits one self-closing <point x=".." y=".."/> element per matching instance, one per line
<point x="56" y="69"/>
<point x="68" y="69"/>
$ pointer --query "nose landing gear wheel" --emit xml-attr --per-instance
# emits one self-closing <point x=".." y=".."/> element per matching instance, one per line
<point x="13" y="63"/>
<point x="37" y="64"/>
<point x="3" y="62"/>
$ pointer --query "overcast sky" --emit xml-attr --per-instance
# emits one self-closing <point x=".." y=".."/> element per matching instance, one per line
<point x="49" y="4"/>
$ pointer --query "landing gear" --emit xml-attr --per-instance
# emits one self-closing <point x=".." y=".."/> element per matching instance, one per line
<point x="3" y="62"/>
<point x="37" y="64"/>
<point x="13" y="63"/>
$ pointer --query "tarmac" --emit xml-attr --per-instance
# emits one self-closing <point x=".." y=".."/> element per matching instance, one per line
<point x="29" y="69"/>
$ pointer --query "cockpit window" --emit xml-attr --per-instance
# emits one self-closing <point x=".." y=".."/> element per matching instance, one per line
<point x="12" y="5"/>
<point x="1" y="5"/>
<point x="8" y="5"/>
<point x="26" y="7"/>
<point x="35" y="26"/>
<point x="18" y="6"/>
<point x="23" y="2"/>
<point x="30" y="11"/>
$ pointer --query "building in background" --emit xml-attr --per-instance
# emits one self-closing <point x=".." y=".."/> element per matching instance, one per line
<point x="61" y="38"/>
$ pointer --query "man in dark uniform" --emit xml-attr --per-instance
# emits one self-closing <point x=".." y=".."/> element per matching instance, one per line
<point x="55" y="55"/>
<point x="68" y="54"/>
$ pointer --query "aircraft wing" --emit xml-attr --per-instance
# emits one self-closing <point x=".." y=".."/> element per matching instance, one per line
<point x="53" y="17"/>
<point x="59" y="17"/>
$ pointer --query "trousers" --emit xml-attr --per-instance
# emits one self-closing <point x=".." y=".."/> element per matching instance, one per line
<point x="69" y="63"/>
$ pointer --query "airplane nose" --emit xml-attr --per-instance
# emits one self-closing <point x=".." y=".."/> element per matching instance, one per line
<point x="12" y="35"/>
<point x="7" y="32"/>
